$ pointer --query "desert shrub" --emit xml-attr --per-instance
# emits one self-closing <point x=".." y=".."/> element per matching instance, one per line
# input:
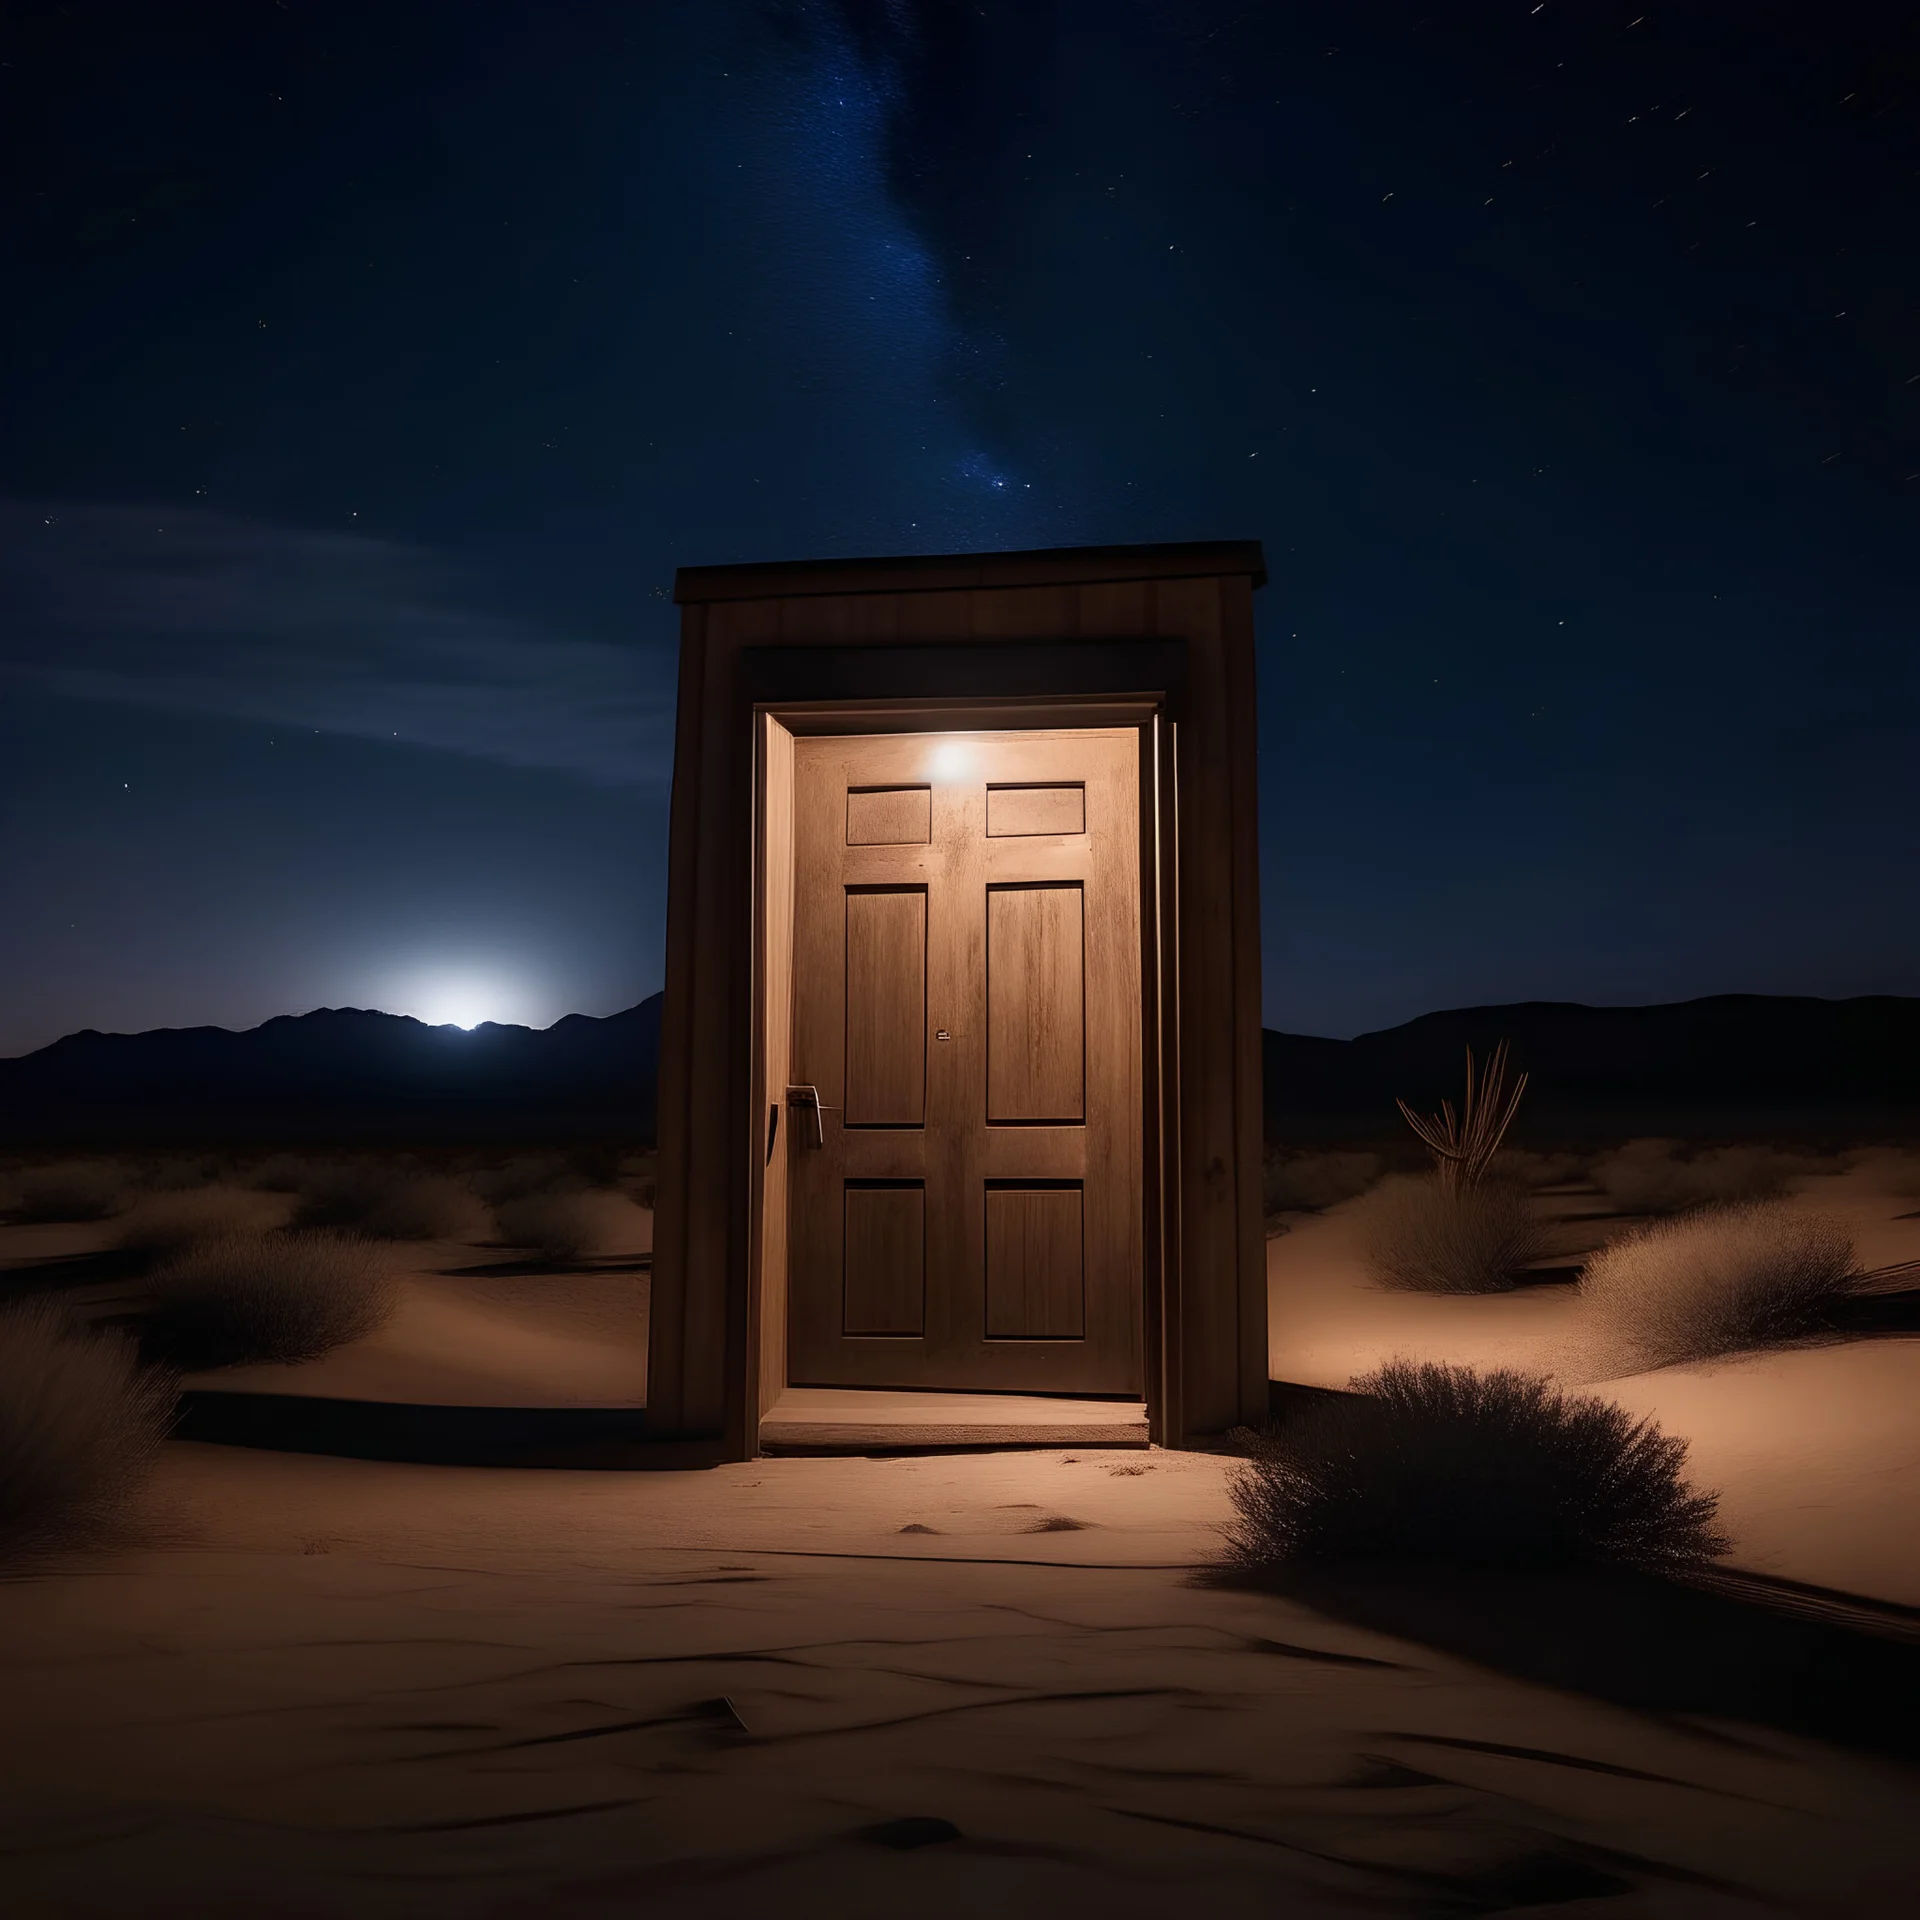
<point x="1307" y="1182"/>
<point x="1423" y="1236"/>
<point x="1652" y="1176"/>
<point x="1437" y="1463"/>
<point x="562" y="1226"/>
<point x="248" y="1297"/>
<point x="1528" y="1169"/>
<point x="1717" y="1281"/>
<point x="72" y="1190"/>
<point x="522" y="1175"/>
<point x="287" y="1173"/>
<point x="181" y="1172"/>
<point x="80" y="1423"/>
<point x="165" y="1222"/>
<point x="596" y="1163"/>
<point x="389" y="1203"/>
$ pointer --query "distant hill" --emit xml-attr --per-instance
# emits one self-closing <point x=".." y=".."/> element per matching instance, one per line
<point x="340" y="1073"/>
<point x="1731" y="1062"/>
<point x="1696" y="1065"/>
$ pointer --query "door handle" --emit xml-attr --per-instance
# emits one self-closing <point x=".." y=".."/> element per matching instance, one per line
<point x="806" y="1100"/>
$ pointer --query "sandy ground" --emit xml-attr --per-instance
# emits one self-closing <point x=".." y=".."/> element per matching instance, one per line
<point x="479" y="1338"/>
<point x="335" y="1687"/>
<point x="1814" y="1451"/>
<point x="478" y="1324"/>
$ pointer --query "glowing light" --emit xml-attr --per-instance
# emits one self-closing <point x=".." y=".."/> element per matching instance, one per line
<point x="460" y="1003"/>
<point x="458" y="999"/>
<point x="952" y="760"/>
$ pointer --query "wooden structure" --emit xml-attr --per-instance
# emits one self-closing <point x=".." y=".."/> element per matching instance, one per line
<point x="960" y="1065"/>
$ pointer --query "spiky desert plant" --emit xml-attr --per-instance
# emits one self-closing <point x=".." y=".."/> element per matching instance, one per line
<point x="80" y="1423"/>
<point x="1463" y="1144"/>
<point x="1421" y="1235"/>
<point x="1439" y="1463"/>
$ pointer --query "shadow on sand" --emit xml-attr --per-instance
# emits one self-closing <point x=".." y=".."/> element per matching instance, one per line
<point x="612" y="1439"/>
<point x="1732" y="1647"/>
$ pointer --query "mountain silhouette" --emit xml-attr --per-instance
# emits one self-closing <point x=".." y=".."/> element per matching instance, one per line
<point x="1726" y="1063"/>
<point x="341" y="1072"/>
<point x="1714" y="1064"/>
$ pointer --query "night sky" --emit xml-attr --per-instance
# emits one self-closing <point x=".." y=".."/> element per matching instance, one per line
<point x="367" y="369"/>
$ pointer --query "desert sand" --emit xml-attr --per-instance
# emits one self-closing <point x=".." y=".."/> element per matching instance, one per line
<point x="986" y="1683"/>
<point x="1815" y="1451"/>
<point x="327" y="1686"/>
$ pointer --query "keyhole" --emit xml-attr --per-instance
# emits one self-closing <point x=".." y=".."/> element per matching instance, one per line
<point x="940" y="1033"/>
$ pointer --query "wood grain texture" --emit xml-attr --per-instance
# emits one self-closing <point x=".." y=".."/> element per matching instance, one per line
<point x="884" y="1281"/>
<point x="886" y="1022"/>
<point x="889" y="816"/>
<point x="1036" y="1264"/>
<point x="1077" y="567"/>
<point x="1014" y="811"/>
<point x="772" y="1063"/>
<point x="924" y="644"/>
<point x="1009" y="924"/>
<point x="1036" y="1004"/>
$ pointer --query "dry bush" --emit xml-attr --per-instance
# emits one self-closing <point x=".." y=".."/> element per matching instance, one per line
<point x="1652" y="1176"/>
<point x="165" y="1222"/>
<point x="390" y="1203"/>
<point x="1436" y="1463"/>
<point x="1307" y="1182"/>
<point x="565" y="1227"/>
<point x="283" y="1297"/>
<point x="1720" y="1280"/>
<point x="181" y="1172"/>
<point x="72" y="1190"/>
<point x="287" y="1173"/>
<point x="524" y="1174"/>
<point x="1422" y="1236"/>
<point x="1528" y="1169"/>
<point x="80" y="1423"/>
<point x="596" y="1163"/>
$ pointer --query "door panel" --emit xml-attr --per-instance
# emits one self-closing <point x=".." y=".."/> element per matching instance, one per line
<point x="1016" y="811"/>
<point x="967" y="1001"/>
<point x="886" y="1024"/>
<point x="1036" y="1005"/>
<point x="886" y="1261"/>
<point x="1036" y="1272"/>
<point x="889" y="816"/>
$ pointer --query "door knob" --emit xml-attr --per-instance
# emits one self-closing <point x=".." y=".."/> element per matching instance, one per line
<point x="806" y="1101"/>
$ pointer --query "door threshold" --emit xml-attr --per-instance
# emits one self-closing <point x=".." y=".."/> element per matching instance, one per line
<point x="868" y="1420"/>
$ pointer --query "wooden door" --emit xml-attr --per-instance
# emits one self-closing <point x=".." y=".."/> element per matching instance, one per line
<point x="967" y="1002"/>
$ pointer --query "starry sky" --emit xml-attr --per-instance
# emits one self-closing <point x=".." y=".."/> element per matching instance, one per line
<point x="367" y="367"/>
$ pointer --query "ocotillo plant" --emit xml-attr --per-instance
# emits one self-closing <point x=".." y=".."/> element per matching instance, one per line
<point x="1462" y="1145"/>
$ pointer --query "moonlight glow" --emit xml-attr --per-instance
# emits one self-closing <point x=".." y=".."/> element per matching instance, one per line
<point x="461" y="999"/>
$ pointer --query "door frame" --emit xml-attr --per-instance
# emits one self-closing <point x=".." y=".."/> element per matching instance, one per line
<point x="1108" y="634"/>
<point x="777" y="725"/>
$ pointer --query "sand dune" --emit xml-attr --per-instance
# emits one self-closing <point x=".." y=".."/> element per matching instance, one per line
<point x="351" y="1687"/>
